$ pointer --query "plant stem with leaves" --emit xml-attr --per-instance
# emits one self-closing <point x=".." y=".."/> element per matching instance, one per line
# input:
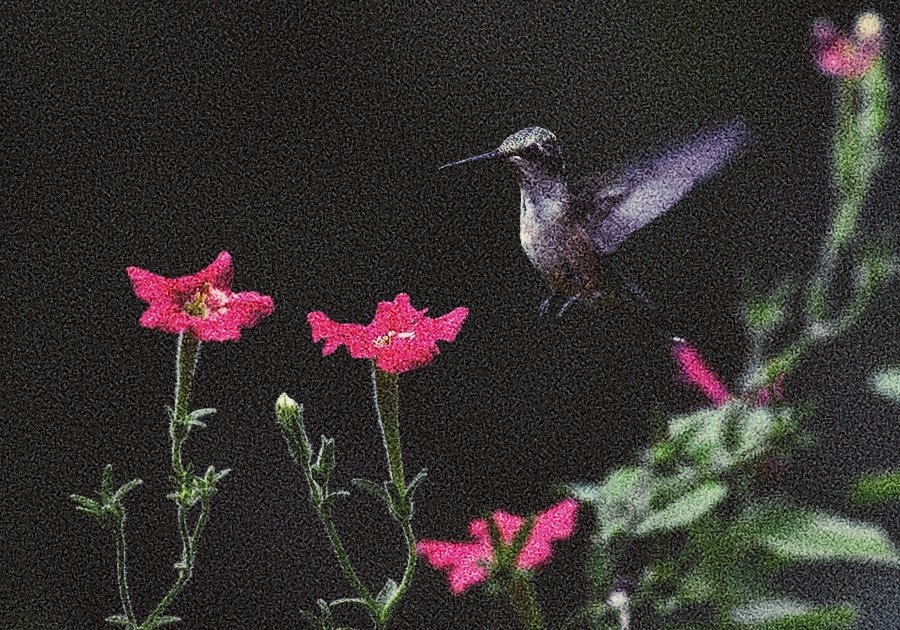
<point x="395" y="493"/>
<point x="188" y="491"/>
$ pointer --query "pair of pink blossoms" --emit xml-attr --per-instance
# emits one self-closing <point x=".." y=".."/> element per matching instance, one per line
<point x="399" y="338"/>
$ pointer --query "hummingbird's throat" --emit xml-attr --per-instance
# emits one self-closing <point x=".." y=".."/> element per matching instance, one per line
<point x="385" y="340"/>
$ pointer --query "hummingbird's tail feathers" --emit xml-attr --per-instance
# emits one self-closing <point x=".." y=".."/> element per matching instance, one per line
<point x="635" y="291"/>
<point x="619" y="202"/>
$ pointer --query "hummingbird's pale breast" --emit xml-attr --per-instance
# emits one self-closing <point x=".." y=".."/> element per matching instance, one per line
<point x="549" y="238"/>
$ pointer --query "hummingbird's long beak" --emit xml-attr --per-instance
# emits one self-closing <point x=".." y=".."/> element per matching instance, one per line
<point x="490" y="155"/>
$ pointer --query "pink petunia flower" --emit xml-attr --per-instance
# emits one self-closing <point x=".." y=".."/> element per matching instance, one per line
<point x="839" y="55"/>
<point x="468" y="563"/>
<point x="400" y="338"/>
<point x="201" y="303"/>
<point x="695" y="372"/>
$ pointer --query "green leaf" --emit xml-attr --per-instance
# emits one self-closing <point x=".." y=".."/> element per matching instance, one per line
<point x="887" y="383"/>
<point x="374" y="489"/>
<point x="85" y="504"/>
<point x="325" y="461"/>
<point x="684" y="510"/>
<point x="877" y="488"/>
<point x="702" y="437"/>
<point x="166" y="620"/>
<point x="757" y="426"/>
<point x="784" y="614"/>
<point x="197" y="414"/>
<point x="796" y="534"/>
<point x="332" y="497"/>
<point x="416" y="481"/>
<point x="118" y="620"/>
<point x="323" y="621"/>
<point x="127" y="487"/>
<point x="387" y="592"/>
<point x="343" y="601"/>
<point x="764" y="314"/>
<point x="621" y="500"/>
<point x="107" y="483"/>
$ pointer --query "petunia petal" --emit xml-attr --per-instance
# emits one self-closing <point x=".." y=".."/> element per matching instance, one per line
<point x="335" y="334"/>
<point x="464" y="562"/>
<point x="556" y="523"/>
<point x="148" y="286"/>
<point x="447" y="326"/>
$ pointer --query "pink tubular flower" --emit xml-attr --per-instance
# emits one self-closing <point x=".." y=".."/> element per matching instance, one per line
<point x="695" y="372"/>
<point x="838" y="55"/>
<point x="201" y="303"/>
<point x="468" y="563"/>
<point x="400" y="338"/>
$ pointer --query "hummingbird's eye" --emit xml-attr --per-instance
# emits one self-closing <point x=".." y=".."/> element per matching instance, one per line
<point x="531" y="152"/>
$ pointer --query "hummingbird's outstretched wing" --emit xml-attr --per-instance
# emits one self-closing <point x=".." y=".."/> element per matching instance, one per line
<point x="618" y="202"/>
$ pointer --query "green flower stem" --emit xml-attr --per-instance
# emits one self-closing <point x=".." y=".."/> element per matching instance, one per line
<point x="386" y="407"/>
<point x="782" y="363"/>
<point x="121" y="576"/>
<point x="855" y="159"/>
<point x="343" y="559"/>
<point x="186" y="568"/>
<point x="186" y="364"/>
<point x="385" y="386"/>
<point x="524" y="601"/>
<point x="291" y="421"/>
<point x="407" y="574"/>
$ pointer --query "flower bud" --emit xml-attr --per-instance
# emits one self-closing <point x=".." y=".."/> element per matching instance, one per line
<point x="868" y="26"/>
<point x="286" y="408"/>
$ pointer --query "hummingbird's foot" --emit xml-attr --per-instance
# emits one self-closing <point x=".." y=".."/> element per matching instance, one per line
<point x="545" y="306"/>
<point x="565" y="307"/>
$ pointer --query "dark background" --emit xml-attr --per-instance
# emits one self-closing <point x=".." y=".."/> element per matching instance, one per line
<point x="305" y="140"/>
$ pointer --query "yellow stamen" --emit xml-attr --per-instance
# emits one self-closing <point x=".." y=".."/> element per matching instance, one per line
<point x="385" y="340"/>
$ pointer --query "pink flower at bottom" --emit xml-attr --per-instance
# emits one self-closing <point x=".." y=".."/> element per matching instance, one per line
<point x="201" y="303"/>
<point x="695" y="372"/>
<point x="469" y="563"/>
<point x="400" y="338"/>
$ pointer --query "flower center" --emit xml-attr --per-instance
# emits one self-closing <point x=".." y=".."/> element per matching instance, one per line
<point x="206" y="301"/>
<point x="385" y="340"/>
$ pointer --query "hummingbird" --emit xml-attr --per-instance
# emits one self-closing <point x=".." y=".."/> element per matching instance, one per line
<point x="569" y="230"/>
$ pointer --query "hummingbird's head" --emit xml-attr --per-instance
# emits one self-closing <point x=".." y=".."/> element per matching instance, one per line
<point x="528" y="149"/>
<point x="531" y="143"/>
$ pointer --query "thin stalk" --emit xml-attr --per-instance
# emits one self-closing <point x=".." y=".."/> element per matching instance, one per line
<point x="186" y="364"/>
<point x="385" y="385"/>
<point x="343" y="559"/>
<point x="387" y="401"/>
<point x="121" y="576"/>
<point x="407" y="574"/>
<point x="851" y="181"/>
<point x="524" y="601"/>
<point x="185" y="571"/>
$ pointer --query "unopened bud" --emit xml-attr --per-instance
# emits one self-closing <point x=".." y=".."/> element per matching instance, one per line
<point x="868" y="26"/>
<point x="286" y="408"/>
